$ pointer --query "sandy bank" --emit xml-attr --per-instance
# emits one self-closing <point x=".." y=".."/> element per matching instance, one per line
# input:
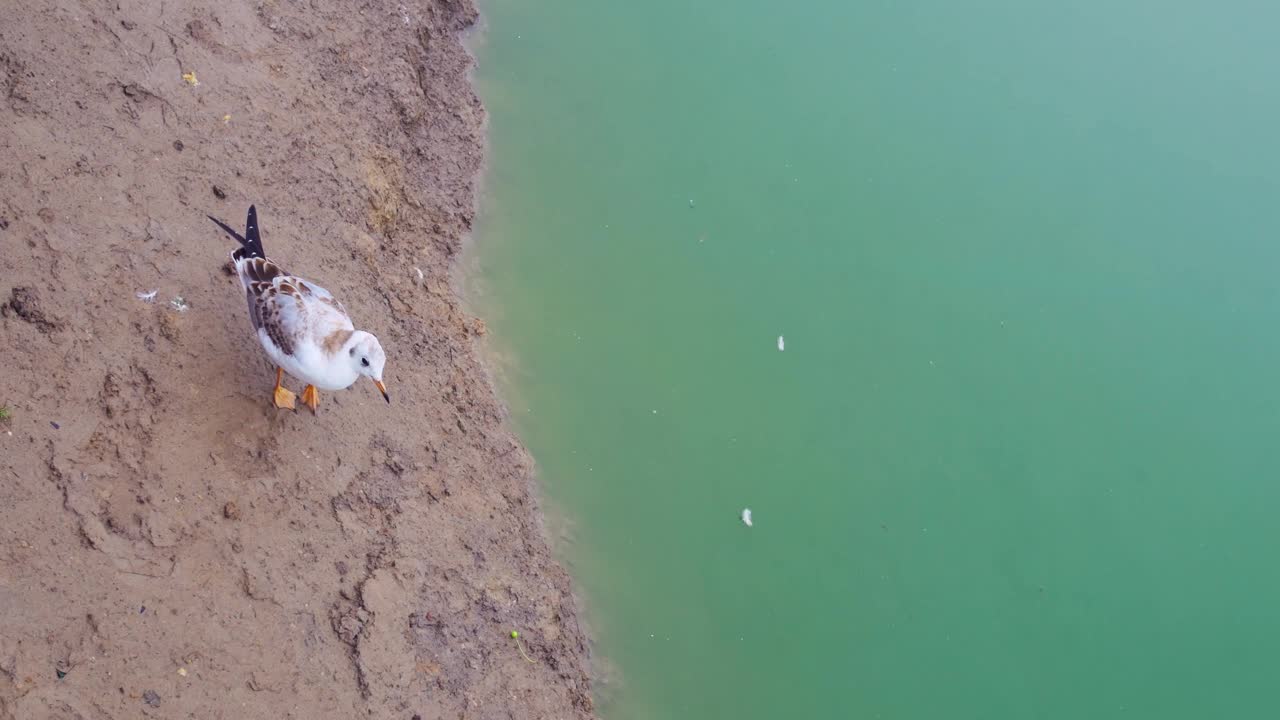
<point x="170" y="546"/>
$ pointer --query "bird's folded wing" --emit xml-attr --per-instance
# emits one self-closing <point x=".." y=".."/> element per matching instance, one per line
<point x="311" y="290"/>
<point x="293" y="312"/>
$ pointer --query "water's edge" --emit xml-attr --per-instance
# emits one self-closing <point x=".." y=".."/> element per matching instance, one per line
<point x="468" y="286"/>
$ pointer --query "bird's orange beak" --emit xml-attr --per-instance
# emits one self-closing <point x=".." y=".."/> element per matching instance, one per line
<point x="383" y="389"/>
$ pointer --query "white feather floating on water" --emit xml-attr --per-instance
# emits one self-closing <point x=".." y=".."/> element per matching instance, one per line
<point x="782" y="344"/>
<point x="746" y="516"/>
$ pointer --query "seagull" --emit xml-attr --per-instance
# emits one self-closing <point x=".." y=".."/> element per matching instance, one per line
<point x="303" y="328"/>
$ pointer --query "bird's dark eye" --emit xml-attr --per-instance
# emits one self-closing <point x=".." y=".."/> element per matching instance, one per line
<point x="364" y="362"/>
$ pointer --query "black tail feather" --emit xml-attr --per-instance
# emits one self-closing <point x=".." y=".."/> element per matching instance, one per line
<point x="251" y="241"/>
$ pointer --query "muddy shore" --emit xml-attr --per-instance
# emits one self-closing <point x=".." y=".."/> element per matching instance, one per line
<point x="170" y="545"/>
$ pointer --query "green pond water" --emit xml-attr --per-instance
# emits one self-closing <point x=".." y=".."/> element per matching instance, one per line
<point x="1019" y="457"/>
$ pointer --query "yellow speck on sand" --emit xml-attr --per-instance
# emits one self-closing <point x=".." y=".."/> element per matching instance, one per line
<point x="182" y="672"/>
<point x="190" y="77"/>
<point x="226" y="118"/>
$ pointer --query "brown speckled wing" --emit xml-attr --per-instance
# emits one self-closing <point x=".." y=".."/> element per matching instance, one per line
<point x="269" y="308"/>
<point x="290" y="310"/>
<point x="312" y="291"/>
<point x="260" y="269"/>
<point x="281" y="315"/>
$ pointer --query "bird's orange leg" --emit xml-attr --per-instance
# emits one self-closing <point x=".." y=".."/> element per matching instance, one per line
<point x="282" y="398"/>
<point x="311" y="397"/>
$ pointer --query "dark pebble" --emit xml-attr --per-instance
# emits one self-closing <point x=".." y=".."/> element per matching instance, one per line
<point x="55" y="425"/>
<point x="219" y="193"/>
<point x="177" y="145"/>
<point x="61" y="674"/>
<point x="151" y="698"/>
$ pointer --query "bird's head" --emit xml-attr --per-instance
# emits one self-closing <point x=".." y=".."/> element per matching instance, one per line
<point x="367" y="358"/>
